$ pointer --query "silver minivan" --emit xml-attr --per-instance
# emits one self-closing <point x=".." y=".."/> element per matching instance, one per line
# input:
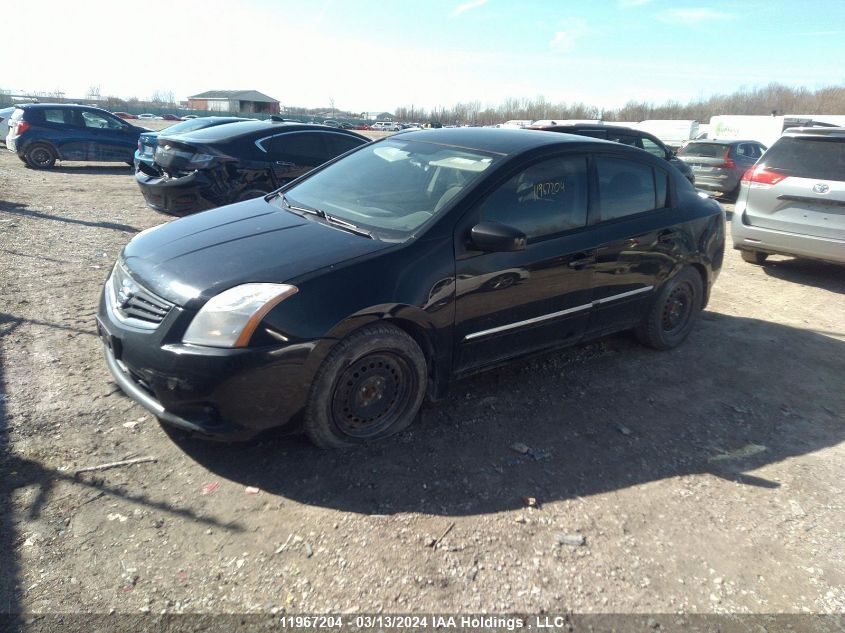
<point x="792" y="202"/>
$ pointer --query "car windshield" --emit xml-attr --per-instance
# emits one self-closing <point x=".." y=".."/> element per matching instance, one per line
<point x="391" y="188"/>
<point x="704" y="150"/>
<point x="821" y="157"/>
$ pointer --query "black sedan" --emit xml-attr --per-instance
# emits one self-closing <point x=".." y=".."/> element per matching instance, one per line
<point x="210" y="167"/>
<point x="626" y="135"/>
<point x="336" y="304"/>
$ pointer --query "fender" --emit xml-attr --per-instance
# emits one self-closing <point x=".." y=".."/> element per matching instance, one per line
<point x="434" y="342"/>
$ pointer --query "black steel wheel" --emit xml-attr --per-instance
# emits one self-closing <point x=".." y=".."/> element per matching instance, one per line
<point x="372" y="393"/>
<point x="672" y="315"/>
<point x="677" y="309"/>
<point x="40" y="156"/>
<point x="370" y="386"/>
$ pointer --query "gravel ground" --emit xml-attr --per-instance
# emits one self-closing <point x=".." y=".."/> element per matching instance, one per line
<point x="606" y="478"/>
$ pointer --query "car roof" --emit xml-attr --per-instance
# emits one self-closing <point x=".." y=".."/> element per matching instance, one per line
<point x="498" y="140"/>
<point x="587" y="126"/>
<point x="815" y="131"/>
<point x="722" y="141"/>
<point x="72" y="106"/>
<point x="239" y="129"/>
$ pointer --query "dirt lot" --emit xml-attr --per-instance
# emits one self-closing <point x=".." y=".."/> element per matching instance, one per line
<point x="706" y="479"/>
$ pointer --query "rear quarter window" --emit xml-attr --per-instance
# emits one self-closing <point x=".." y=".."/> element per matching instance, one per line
<point x="822" y="158"/>
<point x="337" y="144"/>
<point x="57" y="115"/>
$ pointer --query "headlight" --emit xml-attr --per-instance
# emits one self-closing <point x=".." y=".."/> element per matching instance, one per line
<point x="230" y="318"/>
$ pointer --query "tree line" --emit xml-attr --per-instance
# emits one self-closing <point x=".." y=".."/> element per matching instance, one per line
<point x="774" y="98"/>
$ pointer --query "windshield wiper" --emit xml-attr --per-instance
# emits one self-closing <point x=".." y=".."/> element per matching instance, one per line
<point x="352" y="228"/>
<point x="318" y="212"/>
<point x="348" y="226"/>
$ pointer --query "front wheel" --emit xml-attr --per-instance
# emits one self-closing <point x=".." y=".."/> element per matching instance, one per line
<point x="40" y="156"/>
<point x="370" y="386"/>
<point x="672" y="315"/>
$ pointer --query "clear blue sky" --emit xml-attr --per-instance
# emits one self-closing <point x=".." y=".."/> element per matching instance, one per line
<point x="377" y="55"/>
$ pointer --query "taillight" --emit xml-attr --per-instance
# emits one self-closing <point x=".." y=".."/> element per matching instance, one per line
<point x="729" y="162"/>
<point x="761" y="176"/>
<point x="21" y="127"/>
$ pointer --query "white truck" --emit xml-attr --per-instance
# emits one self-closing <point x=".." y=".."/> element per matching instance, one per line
<point x="674" y="133"/>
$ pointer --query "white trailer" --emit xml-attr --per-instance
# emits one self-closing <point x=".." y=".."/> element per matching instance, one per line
<point x="673" y="133"/>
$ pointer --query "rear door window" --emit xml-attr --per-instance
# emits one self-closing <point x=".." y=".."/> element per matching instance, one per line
<point x="822" y="157"/>
<point x="300" y="148"/>
<point x="627" y="187"/>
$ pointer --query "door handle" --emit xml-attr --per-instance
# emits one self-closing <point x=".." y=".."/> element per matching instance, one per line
<point x="581" y="260"/>
<point x="284" y="163"/>
<point x="667" y="235"/>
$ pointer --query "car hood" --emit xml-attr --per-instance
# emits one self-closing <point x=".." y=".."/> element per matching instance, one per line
<point x="189" y="260"/>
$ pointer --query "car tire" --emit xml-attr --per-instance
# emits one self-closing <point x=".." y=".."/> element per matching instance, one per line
<point x="672" y="315"/>
<point x="753" y="257"/>
<point x="370" y="386"/>
<point x="40" y="156"/>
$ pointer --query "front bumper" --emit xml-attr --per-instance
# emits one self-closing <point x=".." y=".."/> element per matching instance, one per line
<point x="181" y="195"/>
<point x="228" y="394"/>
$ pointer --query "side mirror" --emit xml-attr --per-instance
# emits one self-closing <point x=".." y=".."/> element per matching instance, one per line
<point x="494" y="237"/>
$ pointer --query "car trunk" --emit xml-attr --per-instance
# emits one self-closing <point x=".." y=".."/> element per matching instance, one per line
<point x="177" y="158"/>
<point x="799" y="188"/>
<point x="706" y="159"/>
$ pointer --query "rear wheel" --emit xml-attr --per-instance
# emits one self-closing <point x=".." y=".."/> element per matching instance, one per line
<point x="753" y="257"/>
<point x="40" y="156"/>
<point x="672" y="315"/>
<point x="369" y="387"/>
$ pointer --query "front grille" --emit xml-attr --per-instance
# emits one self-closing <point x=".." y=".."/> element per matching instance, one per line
<point x="134" y="303"/>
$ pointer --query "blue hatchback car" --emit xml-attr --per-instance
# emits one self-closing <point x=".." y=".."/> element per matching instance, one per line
<point x="42" y="133"/>
<point x="148" y="140"/>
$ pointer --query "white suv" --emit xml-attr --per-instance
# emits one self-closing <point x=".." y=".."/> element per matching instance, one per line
<point x="792" y="202"/>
